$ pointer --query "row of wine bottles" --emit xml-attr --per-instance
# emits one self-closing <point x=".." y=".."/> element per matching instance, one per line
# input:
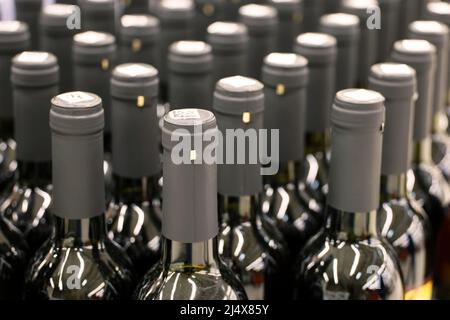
<point x="357" y="208"/>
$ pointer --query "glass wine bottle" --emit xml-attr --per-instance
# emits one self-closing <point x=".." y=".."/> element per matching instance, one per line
<point x="190" y="267"/>
<point x="347" y="259"/>
<point x="401" y="218"/>
<point x="79" y="261"/>
<point x="134" y="214"/>
<point x="248" y="238"/>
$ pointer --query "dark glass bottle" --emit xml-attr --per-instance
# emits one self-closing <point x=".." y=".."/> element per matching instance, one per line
<point x="401" y="219"/>
<point x="79" y="261"/>
<point x="347" y="259"/>
<point x="321" y="51"/>
<point x="286" y="199"/>
<point x="262" y="25"/>
<point x="57" y="38"/>
<point x="133" y="215"/>
<point x="248" y="238"/>
<point x="190" y="66"/>
<point x="190" y="267"/>
<point x="35" y="77"/>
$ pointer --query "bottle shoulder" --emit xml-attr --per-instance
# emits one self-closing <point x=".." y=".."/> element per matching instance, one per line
<point x="69" y="272"/>
<point x="183" y="282"/>
<point x="362" y="269"/>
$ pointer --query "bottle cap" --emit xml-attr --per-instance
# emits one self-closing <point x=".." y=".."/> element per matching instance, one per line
<point x="190" y="57"/>
<point x="317" y="47"/>
<point x="227" y="36"/>
<point x="34" y="69"/>
<point x="134" y="80"/>
<point x="176" y="9"/>
<point x="14" y="37"/>
<point x="142" y="28"/>
<point x="92" y="47"/>
<point x="55" y="17"/>
<point x="258" y="18"/>
<point x="344" y="27"/>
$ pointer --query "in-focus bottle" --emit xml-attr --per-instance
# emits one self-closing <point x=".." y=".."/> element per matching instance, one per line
<point x="176" y="18"/>
<point x="79" y="262"/>
<point x="286" y="199"/>
<point x="57" y="38"/>
<point x="34" y="77"/>
<point x="321" y="51"/>
<point x="262" y="25"/>
<point x="368" y="40"/>
<point x="229" y="43"/>
<point x="99" y="15"/>
<point x="190" y="267"/>
<point x="348" y="259"/>
<point x="206" y="12"/>
<point x="345" y="28"/>
<point x="28" y="11"/>
<point x="401" y="218"/>
<point x="134" y="214"/>
<point x="290" y="15"/>
<point x="190" y="75"/>
<point x="246" y="234"/>
<point x="14" y="38"/>
<point x="139" y="39"/>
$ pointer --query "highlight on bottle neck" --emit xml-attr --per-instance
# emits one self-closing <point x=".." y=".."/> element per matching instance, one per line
<point x="77" y="122"/>
<point x="357" y="123"/>
<point x="397" y="83"/>
<point x="190" y="176"/>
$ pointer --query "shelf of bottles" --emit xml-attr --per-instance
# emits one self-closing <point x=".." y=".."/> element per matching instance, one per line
<point x="224" y="149"/>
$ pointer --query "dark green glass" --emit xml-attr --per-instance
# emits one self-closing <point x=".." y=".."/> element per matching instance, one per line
<point x="190" y="271"/>
<point x="255" y="247"/>
<point x="79" y="262"/>
<point x="8" y="164"/>
<point x="134" y="220"/>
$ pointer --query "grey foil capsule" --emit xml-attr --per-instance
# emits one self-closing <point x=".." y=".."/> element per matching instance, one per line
<point x="420" y="55"/>
<point x="290" y="15"/>
<point x="345" y="28"/>
<point x="190" y="186"/>
<point x="94" y="55"/>
<point x="14" y="38"/>
<point x="262" y="24"/>
<point x="229" y="43"/>
<point x="76" y="122"/>
<point x="190" y="75"/>
<point x="28" y="11"/>
<point x="397" y="83"/>
<point x="321" y="51"/>
<point x="357" y="118"/>
<point x="135" y="131"/>
<point x="239" y="105"/>
<point x="56" y="38"/>
<point x="285" y="77"/>
<point x="35" y="77"/>
<point x="389" y="27"/>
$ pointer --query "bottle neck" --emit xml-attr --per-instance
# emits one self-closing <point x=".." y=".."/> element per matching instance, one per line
<point x="132" y="190"/>
<point x="344" y="226"/>
<point x="393" y="187"/>
<point x="197" y="255"/>
<point x="80" y="232"/>
<point x="34" y="174"/>
<point x="422" y="151"/>
<point x="239" y="209"/>
<point x="317" y="142"/>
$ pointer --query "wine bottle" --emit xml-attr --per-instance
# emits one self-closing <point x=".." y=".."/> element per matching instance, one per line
<point x="14" y="38"/>
<point x="134" y="214"/>
<point x="401" y="218"/>
<point x="57" y="38"/>
<point x="206" y="12"/>
<point x="98" y="15"/>
<point x="229" y="43"/>
<point x="190" y="75"/>
<point x="347" y="259"/>
<point x="139" y="39"/>
<point x="28" y="11"/>
<point x="248" y="238"/>
<point x="321" y="51"/>
<point x="345" y="28"/>
<point x="313" y="10"/>
<point x="176" y="18"/>
<point x="190" y="267"/>
<point x="262" y="25"/>
<point x="368" y="40"/>
<point x="387" y="34"/>
<point x="34" y="76"/>
<point x="79" y="261"/>
<point x="290" y="13"/>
